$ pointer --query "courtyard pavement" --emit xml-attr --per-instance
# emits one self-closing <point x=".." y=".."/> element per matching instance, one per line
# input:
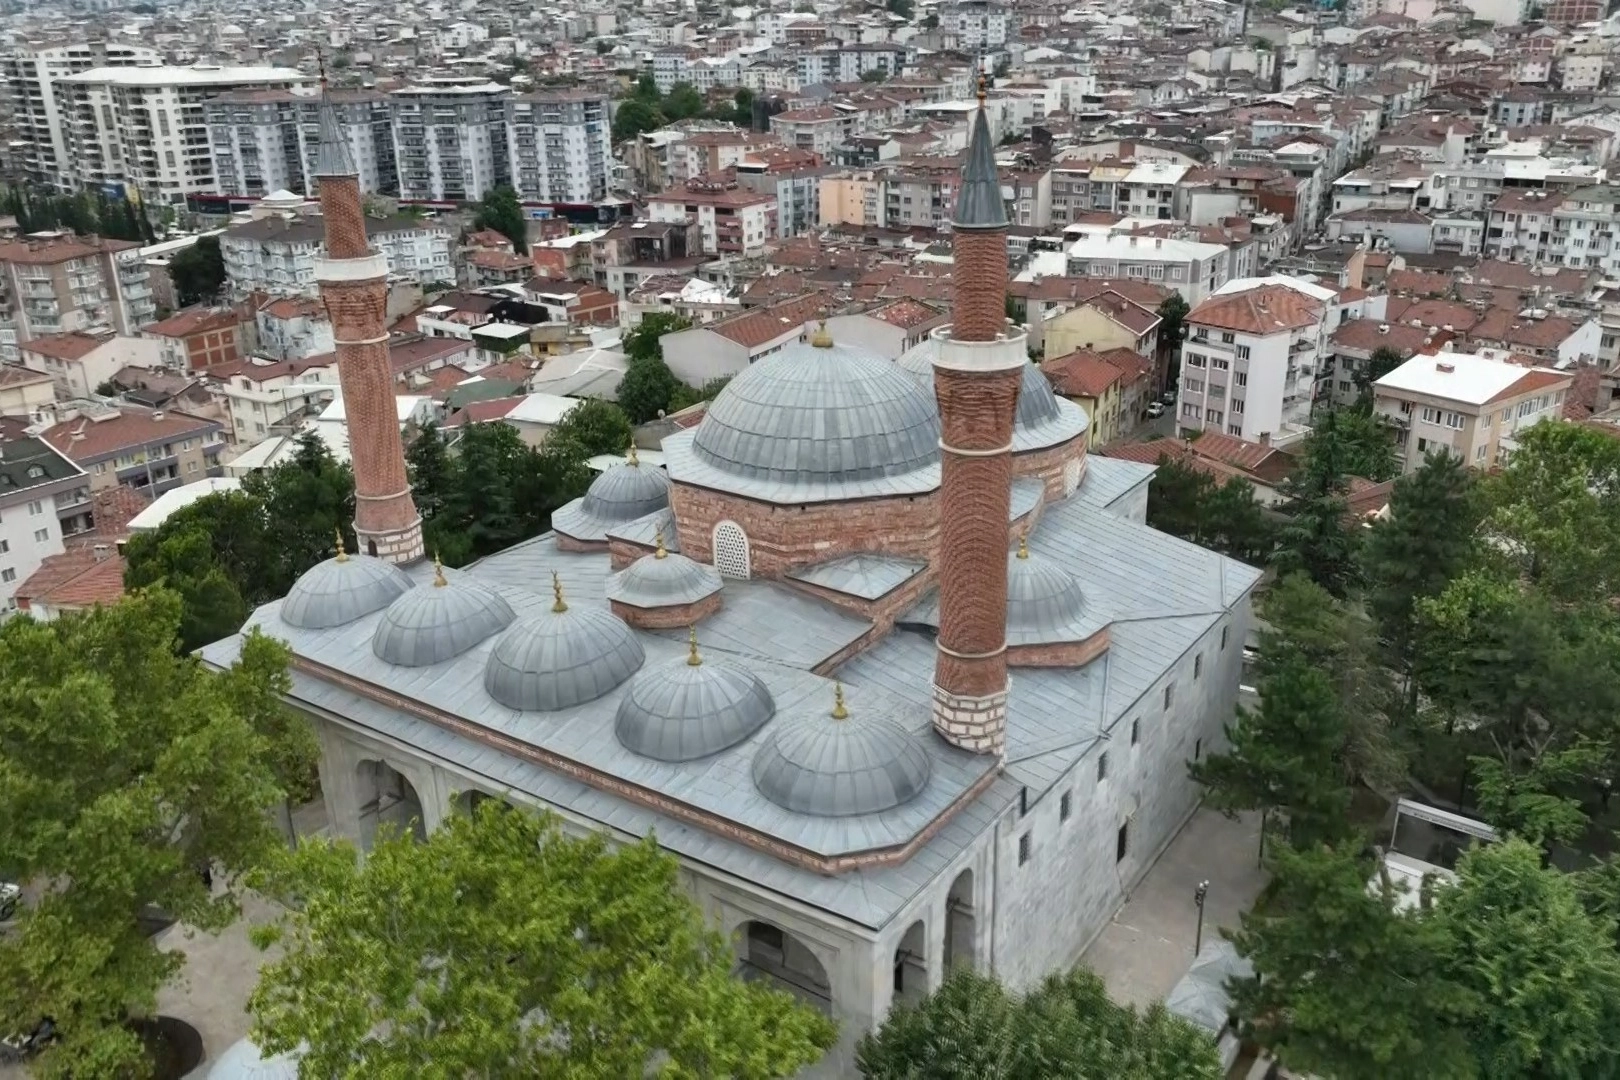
<point x="1148" y="946"/>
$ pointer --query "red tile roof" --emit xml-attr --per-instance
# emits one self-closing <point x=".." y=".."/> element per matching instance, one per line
<point x="72" y="346"/>
<point x="1263" y="310"/>
<point x="83" y="438"/>
<point x="77" y="578"/>
<point x="754" y="328"/>
<point x="1081" y="373"/>
<point x="182" y="324"/>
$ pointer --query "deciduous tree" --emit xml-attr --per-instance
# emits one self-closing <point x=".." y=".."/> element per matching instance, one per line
<point x="198" y="272"/>
<point x="500" y="210"/>
<point x="592" y="427"/>
<point x="501" y="948"/>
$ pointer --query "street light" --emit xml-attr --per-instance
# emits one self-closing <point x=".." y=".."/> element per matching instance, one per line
<point x="1198" y="899"/>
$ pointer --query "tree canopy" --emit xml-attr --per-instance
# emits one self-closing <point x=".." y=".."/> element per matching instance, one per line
<point x="198" y="272"/>
<point x="500" y="210"/>
<point x="501" y="947"/>
<point x="973" y="1028"/>
<point x="1317" y="538"/>
<point x="1222" y="515"/>
<point x="649" y="389"/>
<point x="126" y="771"/>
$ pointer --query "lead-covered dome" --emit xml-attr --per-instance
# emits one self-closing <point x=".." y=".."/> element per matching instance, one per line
<point x="820" y="413"/>
<point x="562" y="657"/>
<point x="691" y="708"/>
<point x="841" y="765"/>
<point x="1044" y="601"/>
<point x="663" y="579"/>
<point x="625" y="492"/>
<point x="342" y="589"/>
<point x="1043" y="418"/>
<point x="441" y="619"/>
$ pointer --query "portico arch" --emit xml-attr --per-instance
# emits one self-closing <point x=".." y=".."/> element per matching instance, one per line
<point x="911" y="966"/>
<point x="769" y="954"/>
<point x="387" y="799"/>
<point x="961" y="924"/>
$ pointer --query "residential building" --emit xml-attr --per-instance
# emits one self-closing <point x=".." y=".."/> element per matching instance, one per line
<point x="150" y="450"/>
<point x="731" y="345"/>
<point x="277" y="254"/>
<point x="1091" y="382"/>
<point x="43" y="496"/>
<point x="1192" y="268"/>
<point x="203" y="338"/>
<point x="1102" y="320"/>
<point x="145" y="129"/>
<point x="1470" y="405"/>
<point x="450" y="139"/>
<point x="1248" y="364"/>
<point x="265" y="141"/>
<point x="23" y="390"/>
<point x="560" y="146"/>
<point x="979" y="25"/>
<point x="80" y="363"/>
<point x="264" y="398"/>
<point x="41" y="122"/>
<point x="84" y="576"/>
<point x="794" y="178"/>
<point x="731" y="220"/>
<point x="292" y="328"/>
<point x="60" y="283"/>
<point x="888" y="330"/>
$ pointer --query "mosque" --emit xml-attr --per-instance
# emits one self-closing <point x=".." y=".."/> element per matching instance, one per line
<point x="895" y="671"/>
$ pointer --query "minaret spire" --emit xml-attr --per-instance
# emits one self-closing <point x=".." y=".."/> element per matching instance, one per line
<point x="977" y="374"/>
<point x="353" y="281"/>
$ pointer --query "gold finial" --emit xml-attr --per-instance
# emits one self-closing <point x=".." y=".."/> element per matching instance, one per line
<point x="630" y="457"/>
<point x="342" y="556"/>
<point x="559" y="605"/>
<point x="1023" y="543"/>
<point x="984" y="86"/>
<point x="658" y="537"/>
<point x="839" y="712"/>
<point x="692" y="657"/>
<point x="821" y="339"/>
<point x="438" y="572"/>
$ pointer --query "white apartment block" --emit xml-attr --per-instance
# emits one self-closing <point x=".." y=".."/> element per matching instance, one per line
<point x="1248" y="364"/>
<point x="560" y="146"/>
<point x="264" y="141"/>
<point x="40" y="125"/>
<point x="978" y="26"/>
<point x="847" y="63"/>
<point x="1469" y="405"/>
<point x="1192" y="268"/>
<point x="732" y="220"/>
<point x="450" y="139"/>
<point x="276" y="254"/>
<point x="266" y="398"/>
<point x="43" y="496"/>
<point x="146" y="128"/>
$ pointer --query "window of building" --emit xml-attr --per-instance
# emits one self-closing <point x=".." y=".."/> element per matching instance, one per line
<point x="1237" y="406"/>
<point x="1102" y="766"/>
<point x="41" y="535"/>
<point x="1431" y="415"/>
<point x="1169" y="695"/>
<point x="1234" y="429"/>
<point x="1226" y="633"/>
<point x="1214" y="416"/>
<point x="1218" y="364"/>
<point x="1136" y="731"/>
<point x="5" y="546"/>
<point x="1195" y="359"/>
<point x="1227" y="337"/>
<point x="1198" y="749"/>
<point x="1190" y="411"/>
<point x="1242" y="352"/>
<point x="1023" y="849"/>
<point x="1195" y="386"/>
<point x="731" y="550"/>
<point x="36" y="508"/>
<point x="1479" y="453"/>
<point x="1122" y="842"/>
<point x="1454" y="420"/>
<point x="1241" y="379"/>
<point x="1065" y="806"/>
<point x="1198" y="666"/>
<point x="8" y="575"/>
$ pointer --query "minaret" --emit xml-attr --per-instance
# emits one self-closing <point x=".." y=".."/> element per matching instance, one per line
<point x="354" y="286"/>
<point x="976" y="378"/>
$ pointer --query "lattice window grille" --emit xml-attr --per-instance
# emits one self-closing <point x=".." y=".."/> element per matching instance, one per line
<point x="731" y="550"/>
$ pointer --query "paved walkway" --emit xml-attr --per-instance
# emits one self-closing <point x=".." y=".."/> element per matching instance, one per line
<point x="1148" y="947"/>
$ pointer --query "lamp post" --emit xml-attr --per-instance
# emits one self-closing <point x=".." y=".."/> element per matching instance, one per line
<point x="1198" y="899"/>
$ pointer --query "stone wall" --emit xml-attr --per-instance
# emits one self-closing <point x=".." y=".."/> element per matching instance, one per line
<point x="663" y="618"/>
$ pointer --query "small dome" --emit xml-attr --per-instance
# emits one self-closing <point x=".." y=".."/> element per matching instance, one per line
<point x="663" y="579"/>
<point x="622" y="493"/>
<point x="1041" y="420"/>
<point x="560" y="658"/>
<point x="243" y="1061"/>
<point x="438" y="620"/>
<point x="691" y="708"/>
<point x="1043" y="600"/>
<point x="341" y="590"/>
<point x="842" y="765"/>
<point x="817" y="414"/>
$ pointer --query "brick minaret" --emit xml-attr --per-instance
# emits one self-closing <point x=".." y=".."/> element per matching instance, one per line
<point x="354" y="285"/>
<point x="976" y="378"/>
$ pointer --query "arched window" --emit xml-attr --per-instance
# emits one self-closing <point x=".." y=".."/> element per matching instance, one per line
<point x="731" y="550"/>
<point x="1071" y="476"/>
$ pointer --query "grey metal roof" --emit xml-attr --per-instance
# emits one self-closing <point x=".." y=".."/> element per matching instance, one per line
<point x="814" y="414"/>
<point x="1027" y="493"/>
<point x="1110" y="479"/>
<point x="432" y="623"/>
<point x="553" y="659"/>
<point x="867" y="576"/>
<point x="646" y="529"/>
<point x="663" y="579"/>
<point x="1043" y="419"/>
<point x="243" y="1061"/>
<point x="621" y="494"/>
<point x="683" y="711"/>
<point x="1044" y="603"/>
<point x="841" y="764"/>
<point x="978" y="195"/>
<point x="343" y="589"/>
<point x="332" y="154"/>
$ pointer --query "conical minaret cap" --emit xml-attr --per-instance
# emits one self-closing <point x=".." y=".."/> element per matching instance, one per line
<point x="978" y="199"/>
<point x="332" y="154"/>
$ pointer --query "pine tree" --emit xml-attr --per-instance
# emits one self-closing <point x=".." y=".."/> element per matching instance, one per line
<point x="1317" y="539"/>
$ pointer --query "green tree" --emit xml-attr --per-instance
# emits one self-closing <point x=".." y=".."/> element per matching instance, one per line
<point x="126" y="771"/>
<point x="198" y="272"/>
<point x="1427" y="540"/>
<point x="1367" y="445"/>
<point x="1381" y="362"/>
<point x="1343" y="986"/>
<point x="1187" y="502"/>
<point x="567" y="957"/>
<point x="1535" y="804"/>
<point x="306" y="502"/>
<point x="642" y="343"/>
<point x="647" y="90"/>
<point x="874" y="75"/>
<point x="901" y="8"/>
<point x="686" y="396"/>
<point x="635" y="116"/>
<point x="183" y="559"/>
<point x="1283" y="758"/>
<point x="1543" y="968"/>
<point x="1317" y="538"/>
<point x="428" y="463"/>
<point x="647" y="390"/>
<point x="742" y="112"/>
<point x="972" y="1028"/>
<point x="592" y="427"/>
<point x="1172" y="326"/>
<point x="682" y="102"/>
<point x="500" y="210"/>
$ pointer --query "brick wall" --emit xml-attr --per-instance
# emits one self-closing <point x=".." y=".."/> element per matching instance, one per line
<point x="663" y="618"/>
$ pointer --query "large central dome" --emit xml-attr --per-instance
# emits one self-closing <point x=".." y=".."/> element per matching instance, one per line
<point x="817" y="414"/>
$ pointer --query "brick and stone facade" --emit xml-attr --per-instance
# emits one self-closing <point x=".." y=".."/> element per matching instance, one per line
<point x="665" y="618"/>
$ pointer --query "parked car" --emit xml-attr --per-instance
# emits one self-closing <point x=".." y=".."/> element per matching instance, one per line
<point x="1155" y="410"/>
<point x="10" y="897"/>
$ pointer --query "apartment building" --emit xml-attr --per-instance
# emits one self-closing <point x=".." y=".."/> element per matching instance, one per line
<point x="702" y="153"/>
<point x="731" y="220"/>
<point x="150" y="450"/>
<point x="264" y="397"/>
<point x="979" y="26"/>
<point x="201" y="339"/>
<point x="794" y="178"/>
<point x="276" y="254"/>
<point x="835" y="63"/>
<point x="1470" y="405"/>
<point x="78" y="363"/>
<point x="22" y="390"/>
<point x="264" y="141"/>
<point x="1190" y="267"/>
<point x="56" y="283"/>
<point x="146" y="128"/>
<point x="560" y="146"/>
<point x="43" y="497"/>
<point x="39" y="125"/>
<point x="450" y="139"/>
<point x="1248" y="365"/>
